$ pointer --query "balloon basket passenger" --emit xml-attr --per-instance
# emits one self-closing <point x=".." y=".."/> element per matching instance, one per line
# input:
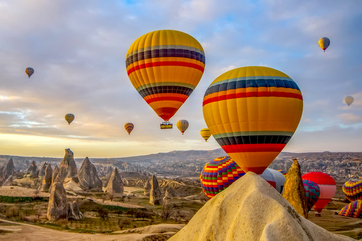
<point x="166" y="125"/>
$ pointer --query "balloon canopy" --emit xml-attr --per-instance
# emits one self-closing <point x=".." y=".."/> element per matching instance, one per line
<point x="349" y="100"/>
<point x="69" y="118"/>
<point x="252" y="112"/>
<point x="327" y="187"/>
<point x="353" y="190"/>
<point x="129" y="127"/>
<point x="205" y="133"/>
<point x="324" y="43"/>
<point x="165" y="66"/>
<point x="354" y="209"/>
<point x="29" y="71"/>
<point x="312" y="192"/>
<point x="182" y="125"/>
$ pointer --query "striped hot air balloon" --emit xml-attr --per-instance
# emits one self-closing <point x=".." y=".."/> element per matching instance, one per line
<point x="324" y="43"/>
<point x="354" y="209"/>
<point x="327" y="187"/>
<point x="312" y="192"/>
<point x="182" y="125"/>
<point x="129" y="127"/>
<point x="353" y="190"/>
<point x="252" y="112"/>
<point x="284" y="172"/>
<point x="69" y="118"/>
<point x="205" y="133"/>
<point x="165" y="66"/>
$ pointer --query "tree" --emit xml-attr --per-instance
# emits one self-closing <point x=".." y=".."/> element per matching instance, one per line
<point x="167" y="212"/>
<point x="103" y="213"/>
<point x="123" y="223"/>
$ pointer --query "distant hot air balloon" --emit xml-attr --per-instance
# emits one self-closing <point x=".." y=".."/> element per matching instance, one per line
<point x="29" y="71"/>
<point x="324" y="43"/>
<point x="327" y="187"/>
<point x="284" y="172"/>
<point x="205" y="133"/>
<point x="349" y="100"/>
<point x="129" y="127"/>
<point x="69" y="118"/>
<point x="165" y="66"/>
<point x="354" y="209"/>
<point x="252" y="112"/>
<point x="353" y="190"/>
<point x="221" y="172"/>
<point x="182" y="125"/>
<point x="312" y="192"/>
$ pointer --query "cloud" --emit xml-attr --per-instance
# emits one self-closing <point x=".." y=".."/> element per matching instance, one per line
<point x="349" y="118"/>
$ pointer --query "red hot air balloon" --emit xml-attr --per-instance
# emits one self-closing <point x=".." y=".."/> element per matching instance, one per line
<point x="327" y="187"/>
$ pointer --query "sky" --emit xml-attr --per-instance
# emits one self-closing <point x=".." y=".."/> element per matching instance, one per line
<point x="78" y="50"/>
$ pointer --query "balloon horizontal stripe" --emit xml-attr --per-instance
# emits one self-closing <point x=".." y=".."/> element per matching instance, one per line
<point x="247" y="82"/>
<point x="165" y="90"/>
<point x="165" y="63"/>
<point x="260" y="139"/>
<point x="253" y="133"/>
<point x="251" y="94"/>
<point x="166" y="84"/>
<point x="253" y="148"/>
<point x="140" y="55"/>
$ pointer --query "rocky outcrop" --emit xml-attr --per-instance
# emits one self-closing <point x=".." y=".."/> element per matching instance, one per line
<point x="55" y="174"/>
<point x="73" y="211"/>
<point x="180" y="188"/>
<point x="58" y="204"/>
<point x="147" y="188"/>
<point x="42" y="169"/>
<point x="9" y="169"/>
<point x="251" y="209"/>
<point x="88" y="176"/>
<point x="47" y="179"/>
<point x="32" y="170"/>
<point x="155" y="192"/>
<point x="115" y="184"/>
<point x="166" y="198"/>
<point x="67" y="167"/>
<point x="9" y="181"/>
<point x="294" y="191"/>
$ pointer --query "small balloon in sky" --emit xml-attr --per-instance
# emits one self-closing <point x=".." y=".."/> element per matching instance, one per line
<point x="69" y="118"/>
<point x="29" y="71"/>
<point x="205" y="133"/>
<point x="349" y="100"/>
<point x="324" y="43"/>
<point x="182" y="125"/>
<point x="129" y="127"/>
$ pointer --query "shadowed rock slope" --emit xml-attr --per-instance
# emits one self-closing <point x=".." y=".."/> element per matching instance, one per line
<point x="250" y="209"/>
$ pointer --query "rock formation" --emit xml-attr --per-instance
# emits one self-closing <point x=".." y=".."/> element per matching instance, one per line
<point x="88" y="176"/>
<point x="251" y="209"/>
<point x="58" y="204"/>
<point x="55" y="174"/>
<point x="166" y="198"/>
<point x="9" y="181"/>
<point x="32" y="170"/>
<point x="67" y="167"/>
<point x="73" y="211"/>
<point x="115" y="184"/>
<point x="147" y="188"/>
<point x="9" y="169"/>
<point x="155" y="192"/>
<point x="42" y="170"/>
<point x="47" y="179"/>
<point x="294" y="191"/>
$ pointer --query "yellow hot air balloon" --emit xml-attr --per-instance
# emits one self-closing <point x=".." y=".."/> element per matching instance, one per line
<point x="165" y="66"/>
<point x="205" y="133"/>
<point x="29" y="71"/>
<point x="349" y="100"/>
<point x="324" y="43"/>
<point x="69" y="118"/>
<point x="182" y="125"/>
<point x="252" y="112"/>
<point x="129" y="127"/>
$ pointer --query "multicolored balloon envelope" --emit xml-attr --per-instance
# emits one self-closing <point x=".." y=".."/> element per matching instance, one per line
<point x="165" y="66"/>
<point x="69" y="118"/>
<point x="252" y="112"/>
<point x="205" y="133"/>
<point x="353" y="190"/>
<point x="220" y="173"/>
<point x="129" y="127"/>
<point x="182" y="125"/>
<point x="284" y="172"/>
<point x="354" y="209"/>
<point x="324" y="43"/>
<point x="327" y="187"/>
<point x="312" y="192"/>
<point x="29" y="71"/>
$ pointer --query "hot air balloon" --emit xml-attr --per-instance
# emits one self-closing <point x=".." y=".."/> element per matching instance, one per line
<point x="324" y="43"/>
<point x="165" y="66"/>
<point x="29" y="71"/>
<point x="354" y="209"/>
<point x="129" y="127"/>
<point x="182" y="125"/>
<point x="205" y="133"/>
<point x="327" y="187"/>
<point x="284" y="172"/>
<point x="252" y="112"/>
<point x="312" y="192"/>
<point x="353" y="190"/>
<point x="349" y="100"/>
<point x="221" y="172"/>
<point x="69" y="118"/>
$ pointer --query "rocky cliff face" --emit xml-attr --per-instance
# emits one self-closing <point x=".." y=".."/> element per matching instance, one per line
<point x="32" y="170"/>
<point x="115" y="184"/>
<point x="67" y="167"/>
<point x="251" y="209"/>
<point x="9" y="169"/>
<point x="294" y="191"/>
<point x="58" y="204"/>
<point x="47" y="179"/>
<point x="55" y="174"/>
<point x="9" y="181"/>
<point x="88" y="176"/>
<point x="42" y="170"/>
<point x="147" y="188"/>
<point x="155" y="192"/>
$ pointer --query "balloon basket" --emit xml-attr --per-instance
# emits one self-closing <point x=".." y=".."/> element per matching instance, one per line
<point x="165" y="125"/>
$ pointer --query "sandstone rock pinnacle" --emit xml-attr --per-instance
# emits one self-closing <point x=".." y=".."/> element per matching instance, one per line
<point x="88" y="176"/>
